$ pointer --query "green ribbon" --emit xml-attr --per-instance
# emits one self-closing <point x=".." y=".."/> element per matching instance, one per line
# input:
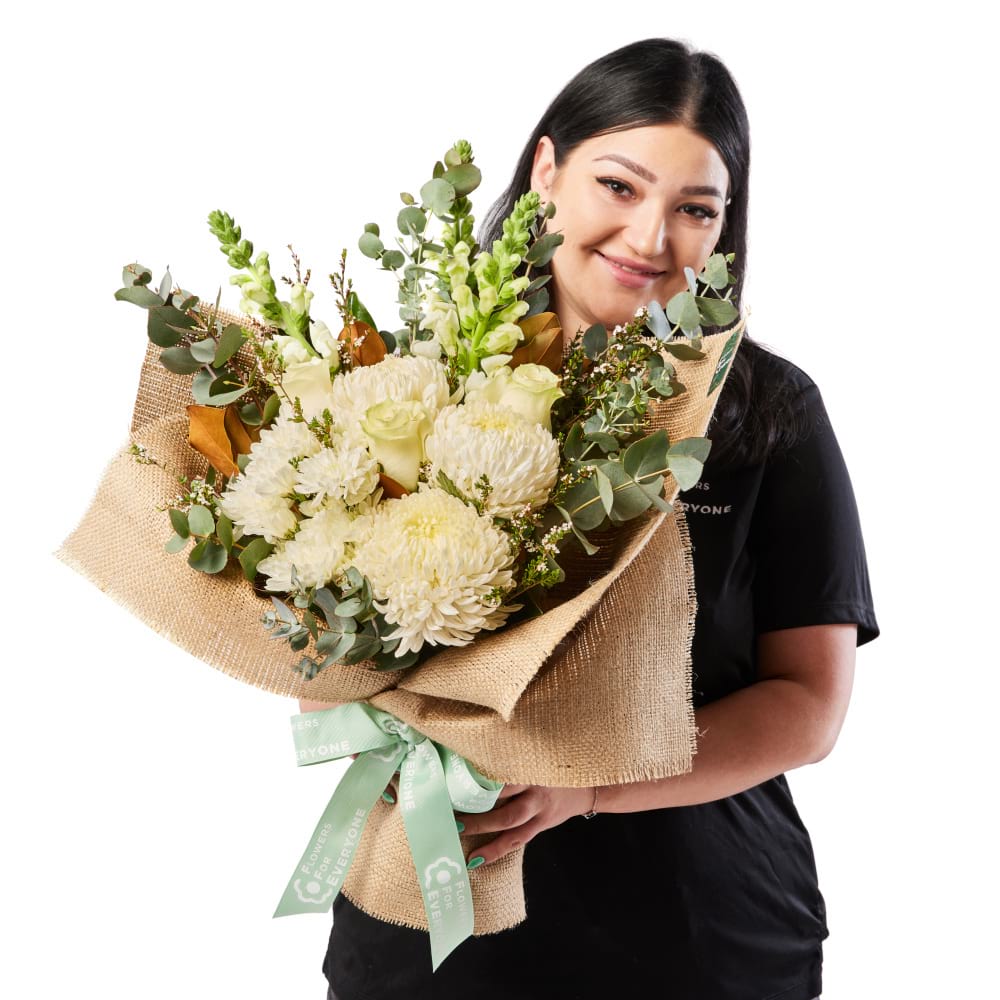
<point x="434" y="781"/>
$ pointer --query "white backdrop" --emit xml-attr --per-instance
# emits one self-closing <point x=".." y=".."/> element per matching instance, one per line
<point x="153" y="807"/>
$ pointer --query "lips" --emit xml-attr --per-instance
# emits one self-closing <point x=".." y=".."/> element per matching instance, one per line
<point x="629" y="273"/>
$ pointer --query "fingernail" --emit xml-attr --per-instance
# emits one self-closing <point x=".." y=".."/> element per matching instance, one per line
<point x="388" y="796"/>
<point x="475" y="862"/>
<point x="460" y="825"/>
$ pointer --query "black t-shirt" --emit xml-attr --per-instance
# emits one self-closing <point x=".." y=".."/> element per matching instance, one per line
<point x="717" y="901"/>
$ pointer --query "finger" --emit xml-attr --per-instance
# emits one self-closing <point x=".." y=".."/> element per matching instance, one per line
<point x="514" y="812"/>
<point x="508" y="790"/>
<point x="506" y="843"/>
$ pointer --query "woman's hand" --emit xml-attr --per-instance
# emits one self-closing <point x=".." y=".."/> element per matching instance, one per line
<point x="521" y="812"/>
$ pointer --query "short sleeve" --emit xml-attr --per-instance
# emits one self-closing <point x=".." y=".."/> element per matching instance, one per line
<point x="810" y="564"/>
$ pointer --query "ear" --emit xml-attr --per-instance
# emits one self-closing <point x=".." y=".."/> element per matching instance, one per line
<point x="543" y="170"/>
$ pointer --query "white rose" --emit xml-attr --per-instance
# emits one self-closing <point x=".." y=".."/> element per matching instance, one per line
<point x="529" y="390"/>
<point x="322" y="339"/>
<point x="397" y="431"/>
<point x="310" y="382"/>
<point x="292" y="350"/>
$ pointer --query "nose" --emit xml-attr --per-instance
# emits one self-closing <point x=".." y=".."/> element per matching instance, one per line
<point x="646" y="235"/>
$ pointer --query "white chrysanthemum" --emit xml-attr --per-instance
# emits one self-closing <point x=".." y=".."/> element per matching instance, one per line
<point x="520" y="457"/>
<point x="347" y="471"/>
<point x="259" y="499"/>
<point x="432" y="562"/>
<point x="400" y="379"/>
<point x="320" y="551"/>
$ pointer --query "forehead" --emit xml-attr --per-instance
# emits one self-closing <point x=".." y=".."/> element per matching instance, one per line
<point x="674" y="154"/>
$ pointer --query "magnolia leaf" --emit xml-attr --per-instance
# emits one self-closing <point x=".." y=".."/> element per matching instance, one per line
<point x="367" y="347"/>
<point x="464" y="178"/>
<point x="252" y="554"/>
<point x="390" y="488"/>
<point x="358" y="310"/>
<point x="240" y="436"/>
<point x="542" y="342"/>
<point x="207" y="435"/>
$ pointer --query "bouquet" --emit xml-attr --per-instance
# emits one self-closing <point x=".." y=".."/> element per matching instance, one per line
<point x="443" y="521"/>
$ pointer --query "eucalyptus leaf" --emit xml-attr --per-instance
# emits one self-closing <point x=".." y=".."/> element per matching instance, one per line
<point x="656" y="321"/>
<point x="393" y="259"/>
<point x="583" y="503"/>
<point x="179" y="521"/>
<point x="229" y="343"/>
<point x="136" y="274"/>
<point x="464" y="178"/>
<point x="224" y="529"/>
<point x="349" y="608"/>
<point x="163" y="323"/>
<point x="200" y="520"/>
<point x="683" y="311"/>
<point x="212" y="560"/>
<point x="588" y="546"/>
<point x="284" y="612"/>
<point x="541" y="251"/>
<point x="683" y="351"/>
<point x="715" y="273"/>
<point x="542" y="279"/>
<point x="250" y="414"/>
<point x="411" y="219"/>
<point x="271" y="408"/>
<point x="179" y="361"/>
<point x="166" y="284"/>
<point x="574" y="445"/>
<point x="716" y="312"/>
<point x="604" y="489"/>
<point x="372" y="227"/>
<point x="630" y="499"/>
<point x="686" y="459"/>
<point x="370" y="245"/>
<point x="203" y="351"/>
<point x="252" y="554"/>
<point x="647" y="457"/>
<point x="595" y="341"/>
<point x="175" y="544"/>
<point x="438" y="195"/>
<point x="537" y="303"/>
<point x="221" y="391"/>
<point x="139" y="295"/>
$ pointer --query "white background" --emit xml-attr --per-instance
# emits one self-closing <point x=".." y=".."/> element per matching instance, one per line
<point x="153" y="810"/>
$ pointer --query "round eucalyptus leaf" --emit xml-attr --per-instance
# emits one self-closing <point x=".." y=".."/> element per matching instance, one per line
<point x="393" y="259"/>
<point x="180" y="361"/>
<point x="411" y="218"/>
<point x="372" y="227"/>
<point x="179" y="522"/>
<point x="464" y="178"/>
<point x="212" y="560"/>
<point x="200" y="520"/>
<point x="438" y="195"/>
<point x="370" y="245"/>
<point x="175" y="544"/>
<point x="204" y="350"/>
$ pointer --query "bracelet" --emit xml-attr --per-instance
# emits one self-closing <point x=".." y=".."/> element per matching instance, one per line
<point x="593" y="808"/>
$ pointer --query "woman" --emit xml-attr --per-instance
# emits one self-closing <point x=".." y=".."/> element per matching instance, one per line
<point x="703" y="886"/>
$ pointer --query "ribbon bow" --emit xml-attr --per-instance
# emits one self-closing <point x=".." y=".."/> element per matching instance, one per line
<point x="434" y="781"/>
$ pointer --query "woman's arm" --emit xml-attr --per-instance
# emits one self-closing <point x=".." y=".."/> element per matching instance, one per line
<point x="791" y="716"/>
<point x="317" y="706"/>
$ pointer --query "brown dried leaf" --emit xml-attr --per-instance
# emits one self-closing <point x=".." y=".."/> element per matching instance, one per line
<point x="367" y="347"/>
<point x="240" y="436"/>
<point x="207" y="435"/>
<point x="390" y="488"/>
<point x="543" y="342"/>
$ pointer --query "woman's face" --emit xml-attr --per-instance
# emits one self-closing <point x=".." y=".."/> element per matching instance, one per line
<point x="635" y="208"/>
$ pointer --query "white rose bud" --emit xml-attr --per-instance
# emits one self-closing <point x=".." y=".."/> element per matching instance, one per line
<point x="531" y="390"/>
<point x="292" y="350"/>
<point x="504" y="338"/>
<point x="310" y="381"/>
<point x="397" y="431"/>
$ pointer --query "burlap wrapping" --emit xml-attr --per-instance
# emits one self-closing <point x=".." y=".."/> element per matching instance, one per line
<point x="596" y="691"/>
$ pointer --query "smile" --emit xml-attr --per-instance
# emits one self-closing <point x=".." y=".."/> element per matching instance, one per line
<point x="628" y="275"/>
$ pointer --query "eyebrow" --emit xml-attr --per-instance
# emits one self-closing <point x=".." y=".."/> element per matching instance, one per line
<point x="641" y="171"/>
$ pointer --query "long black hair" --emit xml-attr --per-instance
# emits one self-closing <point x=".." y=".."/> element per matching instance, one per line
<point x="663" y="81"/>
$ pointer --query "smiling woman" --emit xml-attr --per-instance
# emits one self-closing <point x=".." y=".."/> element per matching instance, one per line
<point x="701" y="886"/>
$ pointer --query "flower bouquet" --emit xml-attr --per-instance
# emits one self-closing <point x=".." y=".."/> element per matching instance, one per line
<point x="461" y="528"/>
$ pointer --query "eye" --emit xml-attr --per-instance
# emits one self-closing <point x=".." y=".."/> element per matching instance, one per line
<point x="701" y="210"/>
<point x="614" y="185"/>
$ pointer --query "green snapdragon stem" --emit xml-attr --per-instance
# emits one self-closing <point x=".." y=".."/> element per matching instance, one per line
<point x="434" y="781"/>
